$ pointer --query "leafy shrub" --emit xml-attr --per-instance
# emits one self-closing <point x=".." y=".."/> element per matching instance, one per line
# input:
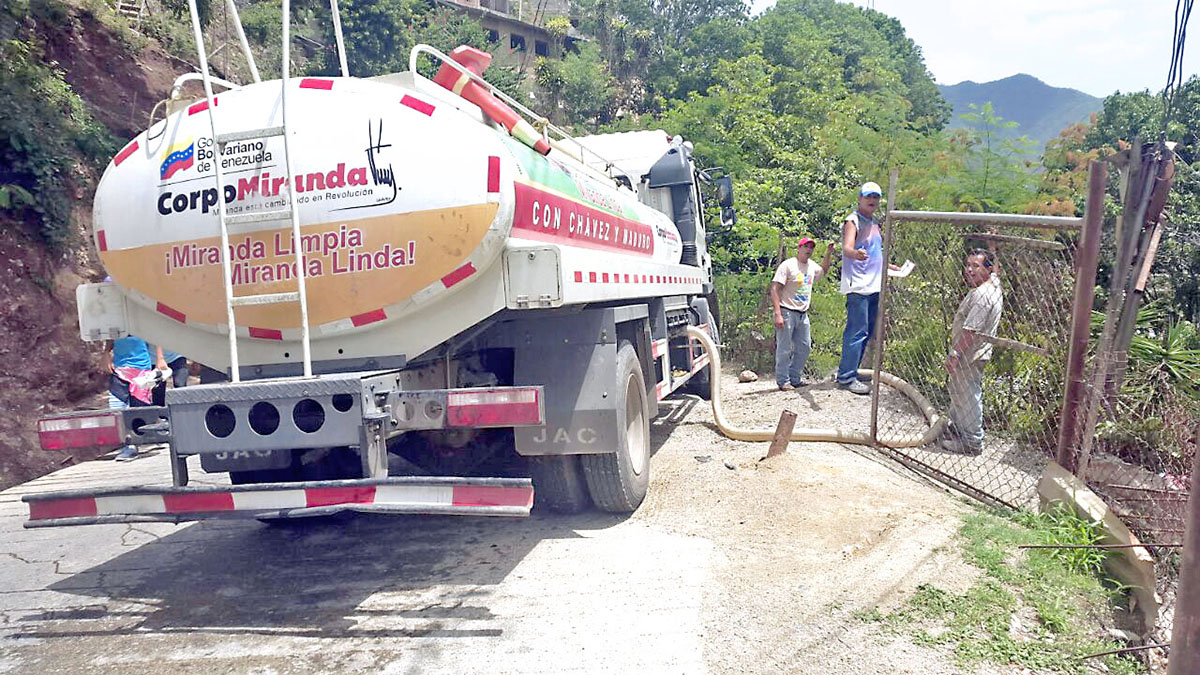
<point x="46" y="131"/>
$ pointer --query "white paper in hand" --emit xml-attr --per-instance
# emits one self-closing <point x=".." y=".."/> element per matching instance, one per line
<point x="904" y="270"/>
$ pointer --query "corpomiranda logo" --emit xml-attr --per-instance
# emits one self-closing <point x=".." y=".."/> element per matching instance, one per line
<point x="263" y="185"/>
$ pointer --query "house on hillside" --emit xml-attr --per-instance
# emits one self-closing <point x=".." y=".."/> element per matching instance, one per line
<point x="517" y="30"/>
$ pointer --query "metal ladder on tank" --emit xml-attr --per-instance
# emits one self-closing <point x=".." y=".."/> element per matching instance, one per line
<point x="291" y="213"/>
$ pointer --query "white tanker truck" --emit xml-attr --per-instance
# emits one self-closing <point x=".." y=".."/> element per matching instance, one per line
<point x="406" y="298"/>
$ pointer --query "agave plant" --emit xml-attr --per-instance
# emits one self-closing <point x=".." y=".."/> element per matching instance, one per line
<point x="1167" y="357"/>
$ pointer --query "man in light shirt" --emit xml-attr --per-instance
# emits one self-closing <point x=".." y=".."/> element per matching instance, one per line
<point x="977" y="318"/>
<point x="862" y="278"/>
<point x="791" y="296"/>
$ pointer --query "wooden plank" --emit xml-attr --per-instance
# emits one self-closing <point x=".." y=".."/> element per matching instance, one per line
<point x="1152" y="249"/>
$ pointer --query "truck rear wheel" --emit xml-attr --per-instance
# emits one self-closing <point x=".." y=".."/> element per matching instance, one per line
<point x="618" y="480"/>
<point x="558" y="483"/>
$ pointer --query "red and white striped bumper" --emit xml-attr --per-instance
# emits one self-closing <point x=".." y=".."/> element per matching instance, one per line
<point x="418" y="495"/>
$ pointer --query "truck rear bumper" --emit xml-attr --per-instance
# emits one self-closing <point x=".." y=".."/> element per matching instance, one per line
<point x="412" y="495"/>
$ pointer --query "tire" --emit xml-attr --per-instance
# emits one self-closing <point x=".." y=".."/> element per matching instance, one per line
<point x="618" y="480"/>
<point x="558" y="483"/>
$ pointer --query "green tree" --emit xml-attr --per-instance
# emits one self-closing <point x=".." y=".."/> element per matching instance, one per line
<point x="996" y="176"/>
<point x="579" y="84"/>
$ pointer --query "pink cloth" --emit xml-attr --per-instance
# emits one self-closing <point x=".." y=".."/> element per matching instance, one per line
<point x="129" y="375"/>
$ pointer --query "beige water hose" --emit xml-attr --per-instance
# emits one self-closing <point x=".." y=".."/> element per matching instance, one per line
<point x="937" y="422"/>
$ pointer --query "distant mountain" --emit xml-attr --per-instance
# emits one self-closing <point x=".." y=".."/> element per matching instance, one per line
<point x="1041" y="110"/>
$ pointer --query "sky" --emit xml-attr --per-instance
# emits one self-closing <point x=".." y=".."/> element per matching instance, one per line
<point x="1095" y="46"/>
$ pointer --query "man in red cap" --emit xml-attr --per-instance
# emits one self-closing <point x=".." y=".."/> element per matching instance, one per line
<point x="791" y="295"/>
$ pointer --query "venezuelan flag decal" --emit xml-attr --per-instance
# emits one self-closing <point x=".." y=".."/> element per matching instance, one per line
<point x="178" y="158"/>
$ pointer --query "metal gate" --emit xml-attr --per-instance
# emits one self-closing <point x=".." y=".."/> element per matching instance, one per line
<point x="1022" y="383"/>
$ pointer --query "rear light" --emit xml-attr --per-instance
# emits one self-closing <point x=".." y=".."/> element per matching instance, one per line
<point x="507" y="407"/>
<point x="80" y="431"/>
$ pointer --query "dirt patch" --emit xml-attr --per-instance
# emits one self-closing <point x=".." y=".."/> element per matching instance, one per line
<point x="47" y="367"/>
<point x="119" y="84"/>
<point x="809" y="540"/>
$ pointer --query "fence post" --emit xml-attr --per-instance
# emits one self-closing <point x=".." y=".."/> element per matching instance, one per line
<point x="1185" y="634"/>
<point x="877" y="354"/>
<point x="1081" y="314"/>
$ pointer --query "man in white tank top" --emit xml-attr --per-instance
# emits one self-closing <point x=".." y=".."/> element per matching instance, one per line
<point x="862" y="278"/>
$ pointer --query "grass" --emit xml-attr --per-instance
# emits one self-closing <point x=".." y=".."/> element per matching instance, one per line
<point x="1035" y="608"/>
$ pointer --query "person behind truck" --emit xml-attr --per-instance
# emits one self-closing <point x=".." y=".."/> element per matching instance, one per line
<point x="178" y="365"/>
<point x="978" y="316"/>
<point x="791" y="296"/>
<point x="862" y="278"/>
<point x="129" y="361"/>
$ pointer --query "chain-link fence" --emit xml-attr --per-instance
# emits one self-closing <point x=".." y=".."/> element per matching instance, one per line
<point x="1013" y="300"/>
<point x="1139" y="460"/>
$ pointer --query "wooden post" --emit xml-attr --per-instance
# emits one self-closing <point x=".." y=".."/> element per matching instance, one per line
<point x="1142" y="263"/>
<point x="1185" y="634"/>
<point x="877" y="354"/>
<point x="1142" y="172"/>
<point x="1081" y="315"/>
<point x="783" y="434"/>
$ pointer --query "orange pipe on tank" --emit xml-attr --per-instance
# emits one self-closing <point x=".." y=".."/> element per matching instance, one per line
<point x="477" y="61"/>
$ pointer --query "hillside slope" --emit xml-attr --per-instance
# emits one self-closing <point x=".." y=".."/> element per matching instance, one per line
<point x="1040" y="109"/>
<point x="47" y="366"/>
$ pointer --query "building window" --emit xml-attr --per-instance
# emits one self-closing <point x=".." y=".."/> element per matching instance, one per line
<point x="541" y="48"/>
<point x="516" y="42"/>
<point x="493" y="35"/>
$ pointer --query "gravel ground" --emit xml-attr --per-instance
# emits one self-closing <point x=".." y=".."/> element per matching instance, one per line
<point x="804" y="540"/>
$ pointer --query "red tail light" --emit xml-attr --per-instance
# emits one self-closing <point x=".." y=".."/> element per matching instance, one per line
<point x="509" y="407"/>
<point x="89" y="430"/>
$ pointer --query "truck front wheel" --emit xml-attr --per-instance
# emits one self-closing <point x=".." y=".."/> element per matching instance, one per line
<point x="618" y="480"/>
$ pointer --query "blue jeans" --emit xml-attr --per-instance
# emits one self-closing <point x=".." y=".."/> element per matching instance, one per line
<point x="965" y="387"/>
<point x="860" y="325"/>
<point x="792" y="346"/>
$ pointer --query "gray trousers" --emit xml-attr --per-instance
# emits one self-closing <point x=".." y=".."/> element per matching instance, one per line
<point x="792" y="346"/>
<point x="966" y="401"/>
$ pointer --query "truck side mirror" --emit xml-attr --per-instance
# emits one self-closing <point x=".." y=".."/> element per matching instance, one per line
<point x="725" y="192"/>
<point x="728" y="217"/>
